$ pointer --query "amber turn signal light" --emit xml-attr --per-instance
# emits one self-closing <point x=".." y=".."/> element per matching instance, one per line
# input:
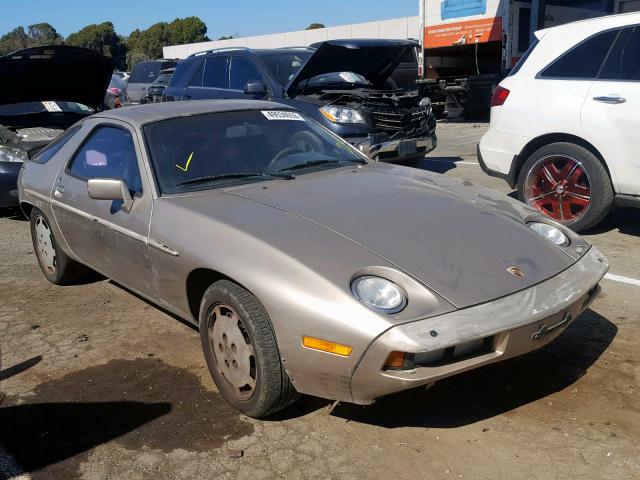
<point x="395" y="360"/>
<point x="326" y="346"/>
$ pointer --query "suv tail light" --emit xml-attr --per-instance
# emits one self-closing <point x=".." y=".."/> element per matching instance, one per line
<point x="499" y="96"/>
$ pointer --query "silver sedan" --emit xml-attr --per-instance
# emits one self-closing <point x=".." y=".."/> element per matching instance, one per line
<point x="308" y="268"/>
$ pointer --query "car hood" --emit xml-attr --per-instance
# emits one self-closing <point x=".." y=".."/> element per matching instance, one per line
<point x="373" y="59"/>
<point x="455" y="244"/>
<point x="64" y="73"/>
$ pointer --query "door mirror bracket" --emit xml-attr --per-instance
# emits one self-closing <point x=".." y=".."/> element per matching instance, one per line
<point x="110" y="189"/>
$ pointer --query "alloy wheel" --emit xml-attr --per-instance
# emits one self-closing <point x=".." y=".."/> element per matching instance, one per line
<point x="233" y="352"/>
<point x="559" y="186"/>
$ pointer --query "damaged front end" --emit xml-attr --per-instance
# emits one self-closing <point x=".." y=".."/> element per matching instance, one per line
<point x="400" y="124"/>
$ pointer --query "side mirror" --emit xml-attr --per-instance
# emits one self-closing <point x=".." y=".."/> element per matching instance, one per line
<point x="110" y="189"/>
<point x="255" y="88"/>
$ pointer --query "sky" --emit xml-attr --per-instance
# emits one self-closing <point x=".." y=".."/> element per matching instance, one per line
<point x="230" y="17"/>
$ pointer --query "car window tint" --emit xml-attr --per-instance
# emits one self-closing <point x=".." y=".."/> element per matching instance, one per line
<point x="630" y="65"/>
<point x="215" y="70"/>
<point x="48" y="152"/>
<point x="196" y="78"/>
<point x="611" y="67"/>
<point x="108" y="153"/>
<point x="584" y="60"/>
<point x="243" y="71"/>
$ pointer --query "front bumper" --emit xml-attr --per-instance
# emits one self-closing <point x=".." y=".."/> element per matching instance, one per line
<point x="509" y="326"/>
<point x="380" y="147"/>
<point x="9" y="172"/>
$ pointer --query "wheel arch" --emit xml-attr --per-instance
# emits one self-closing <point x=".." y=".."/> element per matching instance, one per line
<point x="26" y="208"/>
<point x="549" y="138"/>
<point x="197" y="283"/>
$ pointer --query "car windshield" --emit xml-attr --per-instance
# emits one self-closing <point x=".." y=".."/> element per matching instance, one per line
<point x="222" y="149"/>
<point x="26" y="108"/>
<point x="163" y="79"/>
<point x="283" y="66"/>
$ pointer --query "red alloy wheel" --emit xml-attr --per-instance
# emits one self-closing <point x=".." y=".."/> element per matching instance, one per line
<point x="559" y="186"/>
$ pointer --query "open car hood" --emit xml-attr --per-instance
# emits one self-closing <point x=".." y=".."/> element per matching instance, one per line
<point x="372" y="58"/>
<point x="63" y="73"/>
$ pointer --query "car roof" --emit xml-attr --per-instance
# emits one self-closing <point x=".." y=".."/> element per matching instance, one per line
<point x="153" y="112"/>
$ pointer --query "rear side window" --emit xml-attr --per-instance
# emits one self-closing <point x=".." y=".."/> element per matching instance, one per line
<point x="48" y="152"/>
<point x="243" y="71"/>
<point x="109" y="152"/>
<point x="215" y="72"/>
<point x="196" y="78"/>
<point x="630" y="65"/>
<point x="524" y="58"/>
<point x="583" y="61"/>
<point x="611" y="68"/>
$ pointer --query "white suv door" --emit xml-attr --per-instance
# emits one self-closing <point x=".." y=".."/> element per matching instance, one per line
<point x="611" y="112"/>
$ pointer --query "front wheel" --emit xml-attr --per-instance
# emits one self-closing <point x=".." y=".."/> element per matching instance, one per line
<point x="567" y="183"/>
<point x="241" y="351"/>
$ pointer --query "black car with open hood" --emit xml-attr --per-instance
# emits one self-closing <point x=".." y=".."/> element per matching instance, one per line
<point x="43" y="91"/>
<point x="343" y="84"/>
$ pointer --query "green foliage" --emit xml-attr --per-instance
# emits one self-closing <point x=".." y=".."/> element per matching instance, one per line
<point x="313" y="26"/>
<point x="36" y="35"/>
<point x="125" y="52"/>
<point x="103" y="39"/>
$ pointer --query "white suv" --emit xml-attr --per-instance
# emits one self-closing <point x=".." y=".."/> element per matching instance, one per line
<point x="565" y="125"/>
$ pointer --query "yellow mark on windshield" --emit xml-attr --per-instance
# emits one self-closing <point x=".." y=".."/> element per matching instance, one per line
<point x="186" y="167"/>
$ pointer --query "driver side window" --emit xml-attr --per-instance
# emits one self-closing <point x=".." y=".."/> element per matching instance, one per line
<point x="243" y="71"/>
<point x="108" y="152"/>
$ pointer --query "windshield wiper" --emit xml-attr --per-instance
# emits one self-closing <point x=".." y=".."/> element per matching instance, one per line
<point x="312" y="163"/>
<point x="209" y="178"/>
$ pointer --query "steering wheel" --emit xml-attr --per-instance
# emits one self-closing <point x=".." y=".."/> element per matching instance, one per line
<point x="300" y="142"/>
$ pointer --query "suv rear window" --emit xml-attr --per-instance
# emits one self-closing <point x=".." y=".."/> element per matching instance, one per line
<point x="145" y="72"/>
<point x="584" y="60"/>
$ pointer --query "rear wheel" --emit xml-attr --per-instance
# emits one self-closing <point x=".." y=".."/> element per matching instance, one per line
<point x="241" y="351"/>
<point x="55" y="264"/>
<point x="567" y="183"/>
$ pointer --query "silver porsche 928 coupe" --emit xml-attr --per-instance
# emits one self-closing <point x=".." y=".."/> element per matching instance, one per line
<point x="308" y="268"/>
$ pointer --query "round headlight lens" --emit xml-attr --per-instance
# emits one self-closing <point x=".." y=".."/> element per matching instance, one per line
<point x="379" y="294"/>
<point x="551" y="233"/>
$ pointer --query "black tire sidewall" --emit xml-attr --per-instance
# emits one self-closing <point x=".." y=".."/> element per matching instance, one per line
<point x="263" y="401"/>
<point x="600" y="183"/>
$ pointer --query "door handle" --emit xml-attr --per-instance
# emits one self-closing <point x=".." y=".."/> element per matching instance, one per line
<point x="610" y="99"/>
<point x="59" y="191"/>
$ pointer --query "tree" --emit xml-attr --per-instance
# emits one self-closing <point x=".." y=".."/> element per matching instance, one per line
<point x="36" y="35"/>
<point x="313" y="26"/>
<point x="44" y="34"/>
<point x="103" y="39"/>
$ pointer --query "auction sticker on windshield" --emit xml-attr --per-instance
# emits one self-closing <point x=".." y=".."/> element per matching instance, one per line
<point x="51" y="106"/>
<point x="282" y="115"/>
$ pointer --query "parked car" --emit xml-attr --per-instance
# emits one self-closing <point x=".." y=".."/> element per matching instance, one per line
<point x="307" y="268"/>
<point x="44" y="91"/>
<point x="343" y="84"/>
<point x="564" y="123"/>
<point x="123" y="75"/>
<point x="115" y="97"/>
<point x="142" y="76"/>
<point x="155" y="93"/>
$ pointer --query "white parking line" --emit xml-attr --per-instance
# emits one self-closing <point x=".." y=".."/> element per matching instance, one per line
<point x="451" y="161"/>
<point x="619" y="278"/>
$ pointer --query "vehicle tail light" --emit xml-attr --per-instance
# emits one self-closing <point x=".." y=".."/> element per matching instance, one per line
<point x="499" y="96"/>
<point x="114" y="90"/>
<point x="117" y="103"/>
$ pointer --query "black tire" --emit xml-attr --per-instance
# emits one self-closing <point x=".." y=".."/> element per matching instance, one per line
<point x="63" y="270"/>
<point x="273" y="389"/>
<point x="601" y="189"/>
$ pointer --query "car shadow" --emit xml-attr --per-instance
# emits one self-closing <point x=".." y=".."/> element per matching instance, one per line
<point x="493" y="390"/>
<point x="12" y="214"/>
<point x="625" y="220"/>
<point x="436" y="164"/>
<point x="42" y="434"/>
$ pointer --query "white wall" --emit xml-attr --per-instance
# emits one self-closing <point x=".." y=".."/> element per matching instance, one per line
<point x="401" y="28"/>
